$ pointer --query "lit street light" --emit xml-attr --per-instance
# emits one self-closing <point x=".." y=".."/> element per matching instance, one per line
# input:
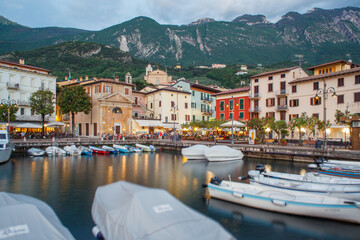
<point x="325" y="92"/>
<point x="10" y="103"/>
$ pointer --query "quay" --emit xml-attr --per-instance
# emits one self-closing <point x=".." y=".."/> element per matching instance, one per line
<point x="266" y="151"/>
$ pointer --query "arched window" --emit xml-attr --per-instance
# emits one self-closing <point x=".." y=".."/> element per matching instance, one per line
<point x="117" y="110"/>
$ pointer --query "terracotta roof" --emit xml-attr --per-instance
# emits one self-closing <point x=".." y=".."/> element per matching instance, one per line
<point x="94" y="81"/>
<point x="24" y="66"/>
<point x="334" y="62"/>
<point x="200" y="86"/>
<point x="236" y="90"/>
<point x="274" y="72"/>
<point x="327" y="75"/>
<point x="171" y="89"/>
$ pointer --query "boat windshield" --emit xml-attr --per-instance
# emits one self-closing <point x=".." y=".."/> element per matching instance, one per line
<point x="2" y="136"/>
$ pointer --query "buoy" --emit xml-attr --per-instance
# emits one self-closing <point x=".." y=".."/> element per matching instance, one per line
<point x="96" y="232"/>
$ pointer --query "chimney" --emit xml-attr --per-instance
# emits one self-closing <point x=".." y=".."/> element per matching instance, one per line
<point x="117" y="78"/>
<point x="86" y="77"/>
<point x="197" y="82"/>
<point x="22" y="61"/>
<point x="81" y="78"/>
<point x="95" y="78"/>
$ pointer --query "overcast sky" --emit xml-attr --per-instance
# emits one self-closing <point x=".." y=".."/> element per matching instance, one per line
<point x="100" y="14"/>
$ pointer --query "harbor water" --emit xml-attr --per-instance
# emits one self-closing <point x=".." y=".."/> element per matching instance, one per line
<point x="68" y="185"/>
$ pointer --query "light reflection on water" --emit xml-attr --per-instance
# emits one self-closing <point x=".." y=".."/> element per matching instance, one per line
<point x="68" y="185"/>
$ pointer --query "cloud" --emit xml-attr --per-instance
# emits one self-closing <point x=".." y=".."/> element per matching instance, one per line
<point x="96" y="15"/>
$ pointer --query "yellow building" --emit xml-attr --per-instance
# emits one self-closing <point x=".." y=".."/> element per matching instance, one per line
<point x="330" y="67"/>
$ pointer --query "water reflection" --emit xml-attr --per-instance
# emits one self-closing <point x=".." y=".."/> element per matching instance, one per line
<point x="68" y="185"/>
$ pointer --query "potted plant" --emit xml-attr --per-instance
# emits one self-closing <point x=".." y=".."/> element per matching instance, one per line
<point x="256" y="141"/>
<point x="283" y="142"/>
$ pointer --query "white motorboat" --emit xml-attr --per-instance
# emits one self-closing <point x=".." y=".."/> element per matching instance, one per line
<point x="35" y="152"/>
<point x="195" y="152"/>
<point x="124" y="210"/>
<point x="6" y="147"/>
<point x="109" y="149"/>
<point x="120" y="148"/>
<point x="134" y="149"/>
<point x="285" y="201"/>
<point x="55" y="151"/>
<point x="145" y="148"/>
<point x="72" y="150"/>
<point x="223" y="153"/>
<point x="338" y="190"/>
<point x="85" y="150"/>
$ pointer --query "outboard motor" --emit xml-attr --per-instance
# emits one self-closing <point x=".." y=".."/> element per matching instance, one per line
<point x="215" y="180"/>
<point x="320" y="160"/>
<point x="260" y="168"/>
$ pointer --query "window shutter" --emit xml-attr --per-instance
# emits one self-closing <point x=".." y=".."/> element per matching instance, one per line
<point x="104" y="88"/>
<point x="112" y="89"/>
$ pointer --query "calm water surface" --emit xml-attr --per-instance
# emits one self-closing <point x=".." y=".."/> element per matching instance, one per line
<point x="68" y="185"/>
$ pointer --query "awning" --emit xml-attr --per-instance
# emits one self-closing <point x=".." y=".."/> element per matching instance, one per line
<point x="55" y="124"/>
<point x="28" y="125"/>
<point x="149" y="123"/>
<point x="171" y="126"/>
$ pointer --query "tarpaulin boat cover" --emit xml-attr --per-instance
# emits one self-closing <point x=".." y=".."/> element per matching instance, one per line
<point x="23" y="217"/>
<point x="127" y="211"/>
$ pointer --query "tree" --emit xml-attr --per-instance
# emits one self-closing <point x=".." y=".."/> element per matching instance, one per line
<point x="42" y="103"/>
<point x="299" y="123"/>
<point x="280" y="128"/>
<point x="312" y="122"/>
<point x="4" y="112"/>
<point x="73" y="100"/>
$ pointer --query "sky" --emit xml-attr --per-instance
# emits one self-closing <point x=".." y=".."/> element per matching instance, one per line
<point x="100" y="14"/>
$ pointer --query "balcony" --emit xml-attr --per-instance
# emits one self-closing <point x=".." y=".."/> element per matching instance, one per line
<point x="282" y="92"/>
<point x="13" y="85"/>
<point x="254" y="95"/>
<point x="207" y="112"/>
<point x="254" y="109"/>
<point x="23" y="103"/>
<point x="206" y="99"/>
<point x="281" y="107"/>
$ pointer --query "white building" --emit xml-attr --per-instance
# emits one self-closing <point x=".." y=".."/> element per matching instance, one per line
<point x="18" y="81"/>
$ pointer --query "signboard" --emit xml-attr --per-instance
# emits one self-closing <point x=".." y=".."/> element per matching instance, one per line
<point x="252" y="136"/>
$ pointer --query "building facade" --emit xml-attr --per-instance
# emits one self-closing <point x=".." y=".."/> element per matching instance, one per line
<point x="157" y="77"/>
<point x="233" y="104"/>
<point x="202" y="103"/>
<point x="19" y="81"/>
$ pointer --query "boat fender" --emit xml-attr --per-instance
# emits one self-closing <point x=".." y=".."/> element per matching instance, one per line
<point x="278" y="203"/>
<point x="260" y="168"/>
<point x="238" y="195"/>
<point x="216" y="180"/>
<point x="96" y="232"/>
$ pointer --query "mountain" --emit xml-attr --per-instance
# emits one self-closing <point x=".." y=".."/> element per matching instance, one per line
<point x="80" y="59"/>
<point x="320" y="35"/>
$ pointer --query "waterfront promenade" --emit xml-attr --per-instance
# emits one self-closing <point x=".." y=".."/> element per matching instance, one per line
<point x="267" y="151"/>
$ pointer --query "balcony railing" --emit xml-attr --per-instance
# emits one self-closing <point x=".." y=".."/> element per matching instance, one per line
<point x="254" y="95"/>
<point x="13" y="85"/>
<point x="207" y="112"/>
<point x="281" y="92"/>
<point x="282" y="107"/>
<point x="206" y="99"/>
<point x="254" y="109"/>
<point x="23" y="103"/>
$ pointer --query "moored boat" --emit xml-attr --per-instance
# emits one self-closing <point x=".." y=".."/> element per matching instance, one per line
<point x="121" y="149"/>
<point x="195" y="152"/>
<point x="98" y="150"/>
<point x="134" y="149"/>
<point x="54" y="151"/>
<point x="85" y="150"/>
<point x="223" y="153"/>
<point x="35" y="152"/>
<point x="109" y="149"/>
<point x="72" y="150"/>
<point x="6" y="147"/>
<point x="143" y="147"/>
<point x="284" y="201"/>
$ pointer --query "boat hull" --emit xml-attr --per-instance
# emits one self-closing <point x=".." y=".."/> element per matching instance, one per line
<point x="5" y="154"/>
<point x="283" y="202"/>
<point x="98" y="150"/>
<point x="347" y="174"/>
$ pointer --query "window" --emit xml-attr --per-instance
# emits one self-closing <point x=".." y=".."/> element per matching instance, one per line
<point x="357" y="79"/>
<point x="357" y="97"/>
<point x="283" y="75"/>
<point x="107" y="89"/>
<point x="231" y="115"/>
<point x="193" y="92"/>
<point x="270" y="87"/>
<point x="340" y="99"/>
<point x="315" y="101"/>
<point x="172" y="104"/>
<point x="316" y="86"/>
<point x="127" y="91"/>
<point x="283" y="116"/>
<point x="222" y="116"/>
<point x="136" y="100"/>
<point x="231" y="105"/>
<point x="193" y="117"/>
<point x="270" y="114"/>
<point x="270" y="102"/>
<point x="316" y="115"/>
<point x="340" y="82"/>
<point x="294" y="89"/>
<point x="151" y="105"/>
<point x="173" y="117"/>
<point x="256" y="89"/>
<point x="241" y="115"/>
<point x="186" y="106"/>
<point x="241" y="104"/>
<point x="294" y="103"/>
<point x="256" y="80"/>
<point x="193" y="105"/>
<point x="95" y="133"/>
<point x="159" y="103"/>
<point x="22" y="111"/>
<point x="291" y="116"/>
<point x="80" y="129"/>
<point x="187" y="117"/>
<point x="270" y="77"/>
<point x="222" y="106"/>
<point x="87" y="129"/>
<point x="136" y="114"/>
<point x="97" y="89"/>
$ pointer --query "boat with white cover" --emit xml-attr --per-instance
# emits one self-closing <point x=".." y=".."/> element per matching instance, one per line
<point x="124" y="210"/>
<point x="35" y="152"/>
<point x="85" y="150"/>
<point x="339" y="190"/>
<point x="109" y="149"/>
<point x="285" y="201"/>
<point x="120" y="148"/>
<point x="223" y="153"/>
<point x="195" y="152"/>
<point x="72" y="150"/>
<point x="6" y="147"/>
<point x="145" y="148"/>
<point x="54" y="151"/>
<point x="134" y="149"/>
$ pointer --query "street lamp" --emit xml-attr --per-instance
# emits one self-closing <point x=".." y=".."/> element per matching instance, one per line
<point x="174" y="110"/>
<point x="325" y="92"/>
<point x="232" y="119"/>
<point x="10" y="103"/>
